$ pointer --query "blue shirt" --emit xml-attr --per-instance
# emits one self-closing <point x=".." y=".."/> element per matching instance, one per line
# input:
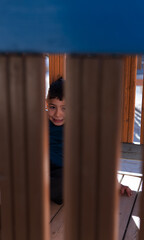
<point x="56" y="144"/>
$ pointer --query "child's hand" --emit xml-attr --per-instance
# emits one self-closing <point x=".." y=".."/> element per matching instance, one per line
<point x="125" y="190"/>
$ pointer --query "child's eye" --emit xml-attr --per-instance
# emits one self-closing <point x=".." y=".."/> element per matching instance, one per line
<point x="52" y="107"/>
<point x="63" y="108"/>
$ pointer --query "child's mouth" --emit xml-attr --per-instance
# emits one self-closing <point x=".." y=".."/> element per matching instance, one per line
<point x="58" y="120"/>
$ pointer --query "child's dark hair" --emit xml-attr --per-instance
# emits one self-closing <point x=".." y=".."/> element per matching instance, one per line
<point x="56" y="89"/>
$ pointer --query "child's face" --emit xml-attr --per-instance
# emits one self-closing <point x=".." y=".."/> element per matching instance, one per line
<point x="56" y="111"/>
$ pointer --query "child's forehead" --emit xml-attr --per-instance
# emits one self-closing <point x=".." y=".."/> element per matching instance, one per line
<point x="56" y="101"/>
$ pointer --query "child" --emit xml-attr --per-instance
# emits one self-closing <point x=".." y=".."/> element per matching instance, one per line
<point x="56" y="114"/>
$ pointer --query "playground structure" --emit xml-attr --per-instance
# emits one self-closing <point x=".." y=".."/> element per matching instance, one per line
<point x="94" y="74"/>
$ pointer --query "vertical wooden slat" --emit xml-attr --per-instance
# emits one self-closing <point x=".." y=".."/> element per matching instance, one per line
<point x="112" y="72"/>
<point x="139" y="61"/>
<point x="56" y="66"/>
<point x="90" y="145"/>
<point x="18" y="153"/>
<point x="91" y="153"/>
<point x="51" y="68"/>
<point x="24" y="169"/>
<point x="63" y="66"/>
<point x="125" y="99"/>
<point x="72" y="178"/>
<point x="6" y="181"/>
<point x="37" y="149"/>
<point x="133" y="71"/>
<point x="128" y="106"/>
<point x="142" y="117"/>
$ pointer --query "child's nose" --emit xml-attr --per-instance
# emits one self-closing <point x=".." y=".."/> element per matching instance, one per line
<point x="58" y="113"/>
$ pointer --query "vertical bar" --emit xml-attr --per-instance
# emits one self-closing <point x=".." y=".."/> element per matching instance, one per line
<point x="111" y="79"/>
<point x="128" y="105"/>
<point x="133" y="71"/>
<point x="24" y="168"/>
<point x="18" y="153"/>
<point x="125" y="99"/>
<point x="139" y="61"/>
<point x="142" y="117"/>
<point x="63" y="65"/>
<point x="92" y="147"/>
<point x="56" y="66"/>
<point x="6" y="181"/>
<point x="37" y="145"/>
<point x="51" y="68"/>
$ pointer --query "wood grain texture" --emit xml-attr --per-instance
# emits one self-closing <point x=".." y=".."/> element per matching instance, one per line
<point x="139" y="61"/>
<point x="6" y="181"/>
<point x="19" y="153"/>
<point x="125" y="99"/>
<point x="56" y="67"/>
<point x="128" y="105"/>
<point x="133" y="71"/>
<point x="24" y="170"/>
<point x="37" y="146"/>
<point x="92" y="140"/>
<point x="111" y="79"/>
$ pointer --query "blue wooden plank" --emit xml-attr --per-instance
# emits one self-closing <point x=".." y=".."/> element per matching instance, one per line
<point x="72" y="26"/>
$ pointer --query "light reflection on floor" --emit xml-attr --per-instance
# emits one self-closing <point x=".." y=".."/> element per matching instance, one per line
<point x="137" y="221"/>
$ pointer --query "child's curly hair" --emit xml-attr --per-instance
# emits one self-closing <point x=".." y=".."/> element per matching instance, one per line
<point x="56" y="89"/>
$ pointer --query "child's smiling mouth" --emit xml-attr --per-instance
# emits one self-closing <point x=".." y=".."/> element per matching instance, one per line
<point x="57" y="120"/>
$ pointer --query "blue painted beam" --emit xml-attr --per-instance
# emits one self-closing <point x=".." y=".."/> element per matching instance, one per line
<point x="104" y="26"/>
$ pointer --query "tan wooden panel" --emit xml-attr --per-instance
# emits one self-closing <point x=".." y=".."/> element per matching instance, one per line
<point x="51" y="68"/>
<point x="128" y="105"/>
<point x="37" y="146"/>
<point x="24" y="169"/>
<point x="134" y="225"/>
<point x="6" y="183"/>
<point x="139" y="61"/>
<point x="112" y="70"/>
<point x="57" y="66"/>
<point x="72" y="149"/>
<point x="90" y="109"/>
<point x="63" y="66"/>
<point x="142" y="118"/>
<point x="133" y="71"/>
<point x="125" y="99"/>
<point x="93" y="106"/>
<point x="18" y="154"/>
